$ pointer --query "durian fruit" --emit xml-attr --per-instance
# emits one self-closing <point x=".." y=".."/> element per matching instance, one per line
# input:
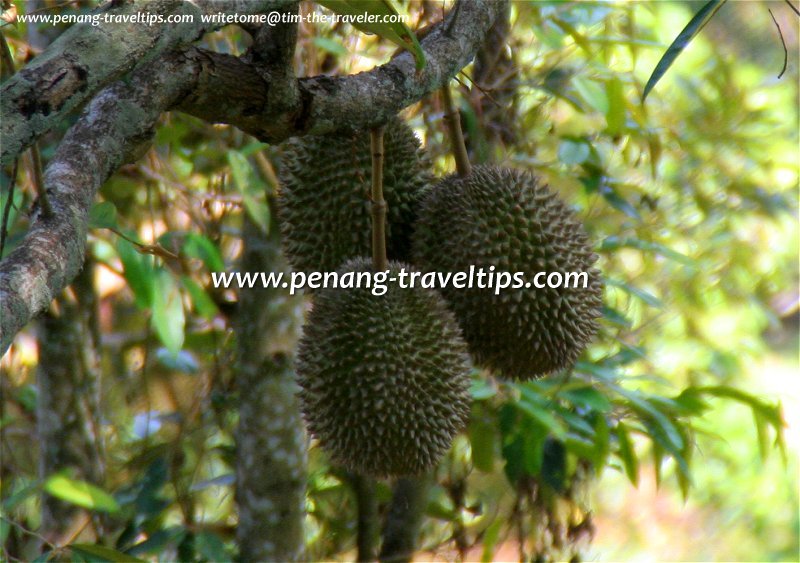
<point x="505" y="218"/>
<point x="384" y="378"/>
<point x="324" y="200"/>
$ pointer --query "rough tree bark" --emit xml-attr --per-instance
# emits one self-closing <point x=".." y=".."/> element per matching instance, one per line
<point x="86" y="58"/>
<point x="66" y="412"/>
<point x="403" y="520"/>
<point x="270" y="459"/>
<point x="115" y="128"/>
<point x="271" y="451"/>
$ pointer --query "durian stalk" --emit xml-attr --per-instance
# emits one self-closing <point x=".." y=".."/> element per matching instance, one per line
<point x="456" y="135"/>
<point x="379" y="260"/>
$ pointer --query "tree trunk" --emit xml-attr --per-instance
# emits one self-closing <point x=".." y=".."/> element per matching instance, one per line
<point x="401" y="530"/>
<point x="271" y="458"/>
<point x="67" y="405"/>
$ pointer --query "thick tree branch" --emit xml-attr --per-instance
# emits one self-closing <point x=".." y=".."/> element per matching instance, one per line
<point x="86" y="58"/>
<point x="113" y="129"/>
<point x="230" y="90"/>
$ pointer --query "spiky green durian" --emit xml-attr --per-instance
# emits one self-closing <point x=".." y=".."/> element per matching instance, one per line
<point x="507" y="219"/>
<point x="384" y="378"/>
<point x="324" y="201"/>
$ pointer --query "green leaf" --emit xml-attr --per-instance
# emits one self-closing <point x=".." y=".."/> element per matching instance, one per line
<point x="662" y="428"/>
<point x="601" y="443"/>
<point x="616" y="317"/>
<point x="103" y="215"/>
<point x="19" y="496"/>
<point x="614" y="242"/>
<point x="197" y="246"/>
<point x="80" y="493"/>
<point x="535" y="406"/>
<point x="588" y="397"/>
<point x="695" y="25"/>
<point x="593" y="93"/>
<point x="615" y="115"/>
<point x="618" y="202"/>
<point x="533" y="440"/>
<point x="573" y="152"/>
<point x="398" y="32"/>
<point x="138" y="270"/>
<point x="648" y="298"/>
<point x="211" y="547"/>
<point x="203" y="304"/>
<point x="481" y="438"/>
<point x="330" y="46"/>
<point x="480" y="390"/>
<point x="252" y="188"/>
<point x="490" y="537"/>
<point x="102" y="553"/>
<point x="627" y="454"/>
<point x="168" y="317"/>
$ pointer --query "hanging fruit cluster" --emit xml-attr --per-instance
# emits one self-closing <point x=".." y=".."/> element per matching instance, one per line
<point x="384" y="378"/>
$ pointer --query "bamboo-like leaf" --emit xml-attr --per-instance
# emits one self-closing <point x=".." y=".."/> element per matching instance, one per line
<point x="80" y="493"/>
<point x="398" y="32"/>
<point x="695" y="25"/>
<point x="627" y="454"/>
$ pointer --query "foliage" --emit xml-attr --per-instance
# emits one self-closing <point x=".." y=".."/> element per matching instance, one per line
<point x="691" y="198"/>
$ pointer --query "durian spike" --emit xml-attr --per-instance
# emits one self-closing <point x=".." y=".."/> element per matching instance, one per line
<point x="453" y="120"/>
<point x="379" y="207"/>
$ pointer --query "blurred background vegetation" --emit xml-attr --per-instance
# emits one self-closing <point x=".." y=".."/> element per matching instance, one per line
<point x="676" y="435"/>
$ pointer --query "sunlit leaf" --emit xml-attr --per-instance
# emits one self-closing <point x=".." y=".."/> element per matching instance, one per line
<point x="397" y="32"/>
<point x="201" y="301"/>
<point x="138" y="271"/>
<point x="252" y="188"/>
<point x="331" y="46"/>
<point x="695" y="25"/>
<point x="615" y="115"/>
<point x="80" y="493"/>
<point x="645" y="296"/>
<point x="196" y="245"/>
<point x="573" y="152"/>
<point x="593" y="93"/>
<point x="614" y="242"/>
<point x="168" y="316"/>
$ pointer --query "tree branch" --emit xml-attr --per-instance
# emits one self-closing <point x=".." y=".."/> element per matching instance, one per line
<point x="113" y="129"/>
<point x="87" y="58"/>
<point x="229" y="90"/>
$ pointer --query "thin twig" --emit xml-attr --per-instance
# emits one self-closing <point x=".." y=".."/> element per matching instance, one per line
<point x="379" y="260"/>
<point x="25" y="530"/>
<point x="795" y="10"/>
<point x="783" y="42"/>
<point x="456" y="135"/>
<point x="7" y="207"/>
<point x="480" y="88"/>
